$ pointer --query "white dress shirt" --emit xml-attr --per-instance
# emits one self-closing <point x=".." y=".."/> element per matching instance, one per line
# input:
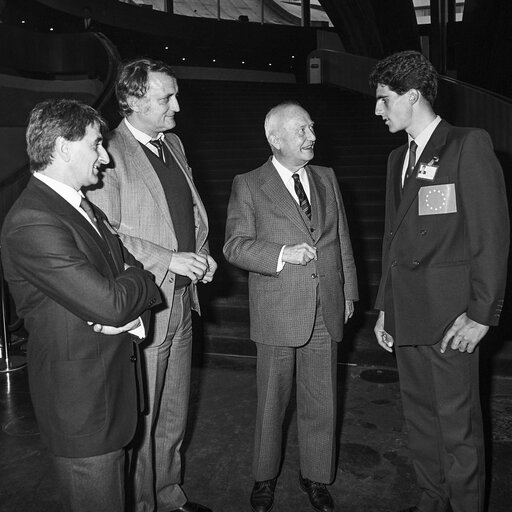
<point x="144" y="138"/>
<point x="422" y="140"/>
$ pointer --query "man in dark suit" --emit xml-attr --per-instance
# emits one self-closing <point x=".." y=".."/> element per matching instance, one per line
<point x="286" y="225"/>
<point x="444" y="269"/>
<point x="80" y="294"/>
<point x="150" y="197"/>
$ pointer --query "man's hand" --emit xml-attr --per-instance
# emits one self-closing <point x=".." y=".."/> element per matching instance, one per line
<point x="300" y="254"/>
<point x="465" y="334"/>
<point x="189" y="264"/>
<point x="109" y="330"/>
<point x="384" y="339"/>
<point x="212" y="267"/>
<point x="349" y="309"/>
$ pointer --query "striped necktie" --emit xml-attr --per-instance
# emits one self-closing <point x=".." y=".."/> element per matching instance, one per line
<point x="157" y="143"/>
<point x="301" y="194"/>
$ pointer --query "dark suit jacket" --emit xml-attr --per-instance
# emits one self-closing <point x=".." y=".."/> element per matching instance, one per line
<point x="437" y="266"/>
<point x="262" y="217"/>
<point x="61" y="275"/>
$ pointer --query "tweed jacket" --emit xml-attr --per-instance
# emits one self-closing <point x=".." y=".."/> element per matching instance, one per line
<point x="133" y="199"/>
<point x="262" y="217"/>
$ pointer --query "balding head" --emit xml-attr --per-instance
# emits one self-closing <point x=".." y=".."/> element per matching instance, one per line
<point x="289" y="131"/>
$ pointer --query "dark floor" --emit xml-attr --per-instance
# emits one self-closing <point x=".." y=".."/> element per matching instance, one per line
<point x="374" y="473"/>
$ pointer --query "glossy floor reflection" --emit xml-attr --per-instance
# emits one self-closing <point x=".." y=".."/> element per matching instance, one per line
<point x="374" y="473"/>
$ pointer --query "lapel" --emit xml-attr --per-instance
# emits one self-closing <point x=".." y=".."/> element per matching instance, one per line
<point x="410" y="193"/>
<point x="142" y="166"/>
<point x="318" y="195"/>
<point x="201" y="218"/>
<point x="273" y="186"/>
<point x="65" y="211"/>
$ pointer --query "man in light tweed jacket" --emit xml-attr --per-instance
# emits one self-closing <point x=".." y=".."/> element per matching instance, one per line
<point x="149" y="196"/>
<point x="286" y="225"/>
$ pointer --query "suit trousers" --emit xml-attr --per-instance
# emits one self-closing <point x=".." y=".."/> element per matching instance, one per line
<point x="156" y="463"/>
<point x="92" y="484"/>
<point x="315" y="367"/>
<point x="441" y="402"/>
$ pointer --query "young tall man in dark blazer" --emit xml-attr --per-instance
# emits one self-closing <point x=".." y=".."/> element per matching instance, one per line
<point x="444" y="268"/>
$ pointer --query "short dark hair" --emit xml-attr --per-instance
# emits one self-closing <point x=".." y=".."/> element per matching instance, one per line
<point x="55" y="118"/>
<point x="132" y="80"/>
<point x="406" y="70"/>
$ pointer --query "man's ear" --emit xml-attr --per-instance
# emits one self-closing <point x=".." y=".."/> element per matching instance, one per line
<point x="273" y="140"/>
<point x="63" y="149"/>
<point x="414" y="96"/>
<point x="134" y="103"/>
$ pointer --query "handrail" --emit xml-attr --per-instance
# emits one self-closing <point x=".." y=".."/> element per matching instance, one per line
<point x="460" y="103"/>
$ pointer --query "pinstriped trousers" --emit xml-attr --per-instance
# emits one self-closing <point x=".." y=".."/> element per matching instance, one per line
<point x="315" y="367"/>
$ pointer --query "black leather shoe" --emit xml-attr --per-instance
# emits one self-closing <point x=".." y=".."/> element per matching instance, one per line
<point x="262" y="495"/>
<point x="318" y="494"/>
<point x="192" y="507"/>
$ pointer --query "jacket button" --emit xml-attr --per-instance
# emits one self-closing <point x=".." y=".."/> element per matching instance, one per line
<point x="423" y="232"/>
<point x="394" y="263"/>
<point x="313" y="276"/>
<point x="133" y="359"/>
<point x="416" y="262"/>
<point x="391" y="233"/>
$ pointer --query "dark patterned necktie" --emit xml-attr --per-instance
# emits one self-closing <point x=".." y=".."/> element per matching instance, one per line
<point x="412" y="161"/>
<point x="301" y="194"/>
<point x="87" y="208"/>
<point x="157" y="143"/>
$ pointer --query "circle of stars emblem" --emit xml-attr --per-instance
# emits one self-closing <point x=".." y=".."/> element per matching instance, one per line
<point x="435" y="200"/>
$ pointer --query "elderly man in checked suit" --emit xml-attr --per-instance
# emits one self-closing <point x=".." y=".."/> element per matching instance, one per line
<point x="444" y="268"/>
<point x="286" y="225"/>
<point x="150" y="197"/>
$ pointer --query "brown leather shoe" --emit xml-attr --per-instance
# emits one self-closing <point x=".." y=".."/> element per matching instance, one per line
<point x="318" y="494"/>
<point x="262" y="495"/>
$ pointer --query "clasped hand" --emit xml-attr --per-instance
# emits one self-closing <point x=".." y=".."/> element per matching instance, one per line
<point x="299" y="254"/>
<point x="197" y="267"/>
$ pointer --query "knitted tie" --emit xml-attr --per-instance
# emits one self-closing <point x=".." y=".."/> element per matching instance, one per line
<point x="301" y="194"/>
<point x="159" y="146"/>
<point x="87" y="208"/>
<point x="412" y="161"/>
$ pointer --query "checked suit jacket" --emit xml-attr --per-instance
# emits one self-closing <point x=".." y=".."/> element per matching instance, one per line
<point x="62" y="274"/>
<point x="262" y="217"/>
<point x="436" y="266"/>
<point x="133" y="199"/>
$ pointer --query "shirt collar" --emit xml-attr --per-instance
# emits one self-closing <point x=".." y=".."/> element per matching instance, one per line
<point x="285" y="173"/>
<point x="142" y="137"/>
<point x="425" y="135"/>
<point x="72" y="196"/>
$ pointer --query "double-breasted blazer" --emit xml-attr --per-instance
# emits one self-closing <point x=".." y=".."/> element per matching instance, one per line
<point x="262" y="217"/>
<point x="436" y="266"/>
<point x="62" y="274"/>
<point x="134" y="200"/>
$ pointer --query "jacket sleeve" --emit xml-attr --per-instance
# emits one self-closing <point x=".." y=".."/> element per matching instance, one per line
<point x="484" y="204"/>
<point x="242" y="247"/>
<point x="347" y="258"/>
<point x="44" y="252"/>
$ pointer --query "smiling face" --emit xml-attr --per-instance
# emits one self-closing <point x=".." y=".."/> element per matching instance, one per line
<point x="154" y="112"/>
<point x="293" y="138"/>
<point x="395" y="109"/>
<point x="85" y="158"/>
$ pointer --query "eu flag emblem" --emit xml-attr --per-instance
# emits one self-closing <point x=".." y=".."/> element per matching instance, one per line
<point x="437" y="199"/>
